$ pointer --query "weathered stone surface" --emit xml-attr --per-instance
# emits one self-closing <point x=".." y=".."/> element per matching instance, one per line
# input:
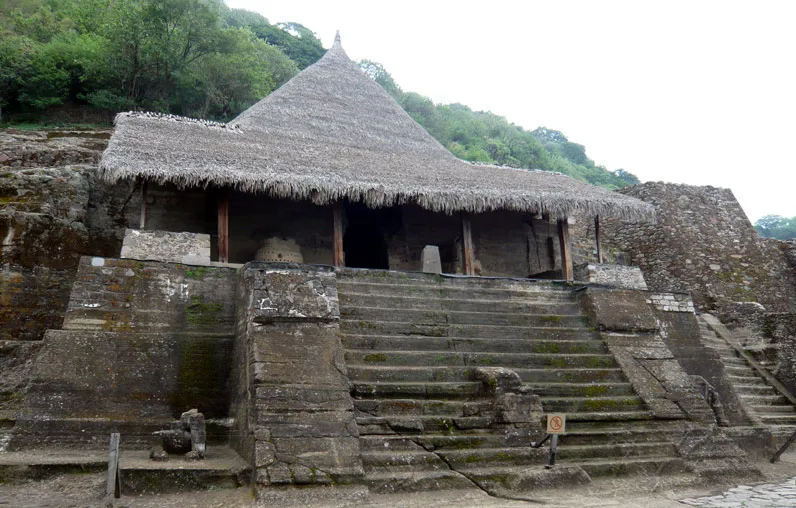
<point x="167" y="246"/>
<point x="704" y="244"/>
<point x="147" y="296"/>
<point x="619" y="276"/>
<point x="293" y="292"/>
<point x="306" y="353"/>
<point x="619" y="310"/>
<point x="290" y="386"/>
<point x="680" y="332"/>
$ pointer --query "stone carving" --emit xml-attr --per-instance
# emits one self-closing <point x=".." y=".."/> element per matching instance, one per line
<point x="711" y="396"/>
<point x="186" y="436"/>
<point x="514" y="403"/>
<point x="431" y="260"/>
<point x="279" y="250"/>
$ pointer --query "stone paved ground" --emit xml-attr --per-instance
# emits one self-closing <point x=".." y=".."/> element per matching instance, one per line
<point x="78" y="491"/>
<point x="760" y="496"/>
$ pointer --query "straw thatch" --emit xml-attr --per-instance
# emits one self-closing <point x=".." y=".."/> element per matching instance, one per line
<point x="332" y="133"/>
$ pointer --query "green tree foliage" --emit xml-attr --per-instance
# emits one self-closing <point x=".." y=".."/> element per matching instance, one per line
<point x="189" y="57"/>
<point x="776" y="226"/>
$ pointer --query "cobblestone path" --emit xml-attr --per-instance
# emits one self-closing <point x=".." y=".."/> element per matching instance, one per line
<point x="761" y="496"/>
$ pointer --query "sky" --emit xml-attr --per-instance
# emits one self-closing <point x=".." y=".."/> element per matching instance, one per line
<point x="696" y="92"/>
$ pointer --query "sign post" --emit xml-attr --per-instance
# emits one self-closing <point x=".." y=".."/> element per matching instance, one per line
<point x="556" y="424"/>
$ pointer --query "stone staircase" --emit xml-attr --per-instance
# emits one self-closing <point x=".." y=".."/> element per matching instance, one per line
<point x="761" y="401"/>
<point x="412" y="342"/>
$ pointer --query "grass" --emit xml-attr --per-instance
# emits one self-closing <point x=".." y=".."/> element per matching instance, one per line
<point x="30" y="126"/>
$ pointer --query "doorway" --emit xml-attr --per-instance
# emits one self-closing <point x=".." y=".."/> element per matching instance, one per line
<point x="364" y="242"/>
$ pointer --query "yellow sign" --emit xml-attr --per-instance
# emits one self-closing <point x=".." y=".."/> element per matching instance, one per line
<point x="556" y="423"/>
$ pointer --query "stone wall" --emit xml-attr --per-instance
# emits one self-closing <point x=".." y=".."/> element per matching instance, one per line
<point x="627" y="277"/>
<point x="660" y="350"/>
<point x="189" y="248"/>
<point x="294" y="415"/>
<point x="141" y="343"/>
<point x="703" y="243"/>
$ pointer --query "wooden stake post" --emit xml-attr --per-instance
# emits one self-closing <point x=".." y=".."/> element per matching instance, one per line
<point x="467" y="245"/>
<point x="113" y="490"/>
<point x="223" y="227"/>
<point x="339" y="254"/>
<point x="597" y="238"/>
<point x="142" y="220"/>
<point x="566" y="256"/>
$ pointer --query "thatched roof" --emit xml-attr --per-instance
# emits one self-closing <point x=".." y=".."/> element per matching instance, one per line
<point x="331" y="133"/>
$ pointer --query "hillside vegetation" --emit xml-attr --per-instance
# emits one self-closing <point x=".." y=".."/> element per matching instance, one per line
<point x="200" y="58"/>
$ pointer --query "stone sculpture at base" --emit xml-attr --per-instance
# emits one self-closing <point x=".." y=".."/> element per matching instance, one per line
<point x="186" y="436"/>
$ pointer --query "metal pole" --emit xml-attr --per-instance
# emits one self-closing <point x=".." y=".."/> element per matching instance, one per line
<point x="551" y="456"/>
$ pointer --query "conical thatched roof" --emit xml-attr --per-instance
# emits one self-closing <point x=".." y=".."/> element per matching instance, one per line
<point x="331" y="133"/>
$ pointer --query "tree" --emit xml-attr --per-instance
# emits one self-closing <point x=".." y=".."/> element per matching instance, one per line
<point x="776" y="226"/>
<point x="379" y="74"/>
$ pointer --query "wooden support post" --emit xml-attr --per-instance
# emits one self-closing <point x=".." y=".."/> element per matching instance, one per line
<point x="339" y="254"/>
<point x="142" y="220"/>
<point x="467" y="245"/>
<point x="566" y="256"/>
<point x="223" y="227"/>
<point x="113" y="489"/>
<point x="597" y="238"/>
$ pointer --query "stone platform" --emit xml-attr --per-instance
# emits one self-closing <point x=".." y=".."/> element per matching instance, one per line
<point x="221" y="468"/>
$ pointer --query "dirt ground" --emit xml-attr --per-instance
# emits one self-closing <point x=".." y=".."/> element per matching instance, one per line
<point x="85" y="490"/>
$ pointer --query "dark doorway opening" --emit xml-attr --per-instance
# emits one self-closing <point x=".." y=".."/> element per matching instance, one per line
<point x="364" y="242"/>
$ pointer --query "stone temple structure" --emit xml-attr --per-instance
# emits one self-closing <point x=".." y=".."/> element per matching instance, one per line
<point x="271" y="275"/>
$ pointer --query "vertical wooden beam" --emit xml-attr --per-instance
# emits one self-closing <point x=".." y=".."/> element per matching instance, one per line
<point x="566" y="256"/>
<point x="597" y="238"/>
<point x="467" y="245"/>
<point x="339" y="254"/>
<point x="142" y="220"/>
<point x="223" y="227"/>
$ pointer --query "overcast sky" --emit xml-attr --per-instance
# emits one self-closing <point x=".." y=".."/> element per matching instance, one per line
<point x="695" y="92"/>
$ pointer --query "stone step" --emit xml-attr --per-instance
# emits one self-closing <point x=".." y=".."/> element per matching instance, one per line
<point x="445" y="317"/>
<point x="571" y="405"/>
<point x="746" y="380"/>
<point x="412" y="424"/>
<point x="739" y="370"/>
<point x="400" y="328"/>
<point x="773" y="410"/>
<point x="527" y="305"/>
<point x="381" y="373"/>
<point x="764" y="400"/>
<point x="472" y="389"/>
<point x="612" y="417"/>
<point x="777" y="419"/>
<point x="417" y="407"/>
<point x="430" y="441"/>
<point x="582" y="389"/>
<point x="423" y="390"/>
<point x="388" y="482"/>
<point x="631" y="466"/>
<point x="636" y="432"/>
<point x="469" y="284"/>
<point x="497" y="345"/>
<point x="457" y="293"/>
<point x="448" y="358"/>
<point x="571" y="453"/>
<point x="493" y="457"/>
<point x="735" y="362"/>
<point x="752" y="390"/>
<point x="401" y="460"/>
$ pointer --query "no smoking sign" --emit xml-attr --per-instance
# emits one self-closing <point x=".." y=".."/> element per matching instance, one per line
<point x="556" y="423"/>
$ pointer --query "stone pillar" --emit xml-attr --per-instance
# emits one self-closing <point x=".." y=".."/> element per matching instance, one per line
<point x="291" y="400"/>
